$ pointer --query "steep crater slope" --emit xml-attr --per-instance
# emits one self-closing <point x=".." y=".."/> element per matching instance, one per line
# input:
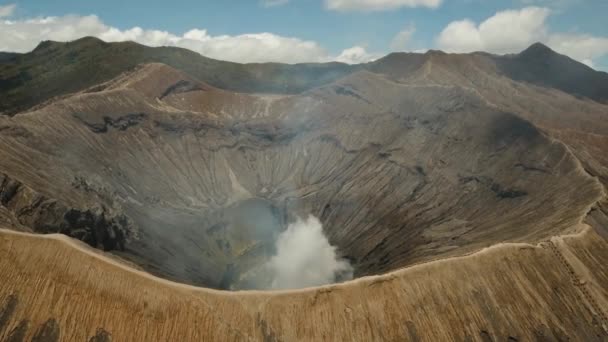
<point x="193" y="183"/>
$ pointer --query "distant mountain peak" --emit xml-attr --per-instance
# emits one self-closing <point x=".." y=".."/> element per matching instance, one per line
<point x="88" y="39"/>
<point x="537" y="49"/>
<point x="435" y="52"/>
<point x="46" y="44"/>
<point x="83" y="42"/>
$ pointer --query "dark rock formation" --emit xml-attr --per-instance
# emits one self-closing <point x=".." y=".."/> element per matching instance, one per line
<point x="97" y="227"/>
<point x="101" y="336"/>
<point x="6" y="311"/>
<point x="47" y="332"/>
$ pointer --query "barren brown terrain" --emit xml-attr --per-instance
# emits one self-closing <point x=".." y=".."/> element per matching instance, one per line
<point x="468" y="192"/>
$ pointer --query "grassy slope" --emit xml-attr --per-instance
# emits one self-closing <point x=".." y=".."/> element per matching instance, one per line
<point x="542" y="66"/>
<point x="54" y="69"/>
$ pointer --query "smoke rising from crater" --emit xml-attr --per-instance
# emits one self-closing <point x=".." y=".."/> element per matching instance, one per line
<point x="304" y="258"/>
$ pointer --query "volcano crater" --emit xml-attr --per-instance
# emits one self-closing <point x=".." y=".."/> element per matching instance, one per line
<point x="197" y="186"/>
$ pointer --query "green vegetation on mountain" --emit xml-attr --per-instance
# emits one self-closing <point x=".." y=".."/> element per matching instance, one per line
<point x="54" y="69"/>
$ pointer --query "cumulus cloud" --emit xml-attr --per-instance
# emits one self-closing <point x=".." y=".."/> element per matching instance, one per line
<point x="24" y="35"/>
<point x="511" y="31"/>
<point x="356" y="55"/>
<point x="7" y="10"/>
<point x="582" y="47"/>
<point x="506" y="31"/>
<point x="305" y="258"/>
<point x="402" y="39"/>
<point x="588" y="63"/>
<point x="378" y="5"/>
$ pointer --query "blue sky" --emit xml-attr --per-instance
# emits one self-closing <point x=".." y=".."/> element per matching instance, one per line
<point x="575" y="27"/>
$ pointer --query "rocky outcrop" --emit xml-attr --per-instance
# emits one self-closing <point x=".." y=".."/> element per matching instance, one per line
<point x="120" y="122"/>
<point x="97" y="227"/>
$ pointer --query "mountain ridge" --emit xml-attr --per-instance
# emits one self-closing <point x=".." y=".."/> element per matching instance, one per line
<point x="56" y="68"/>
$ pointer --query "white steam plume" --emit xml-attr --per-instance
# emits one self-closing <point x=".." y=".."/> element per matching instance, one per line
<point x="306" y="258"/>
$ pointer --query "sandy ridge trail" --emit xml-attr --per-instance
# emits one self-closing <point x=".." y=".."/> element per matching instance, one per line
<point x="83" y="290"/>
<point x="124" y="265"/>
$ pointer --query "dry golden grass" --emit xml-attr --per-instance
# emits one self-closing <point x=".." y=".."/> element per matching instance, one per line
<point x="506" y="291"/>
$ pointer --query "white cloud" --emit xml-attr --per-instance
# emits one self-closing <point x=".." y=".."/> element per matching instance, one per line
<point x="582" y="47"/>
<point x="273" y="3"/>
<point x="506" y="31"/>
<point x="24" y="35"/>
<point x="588" y="63"/>
<point x="356" y="55"/>
<point x="402" y="39"/>
<point x="7" y="10"/>
<point x="378" y="5"/>
<point x="460" y="36"/>
<point x="512" y="31"/>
